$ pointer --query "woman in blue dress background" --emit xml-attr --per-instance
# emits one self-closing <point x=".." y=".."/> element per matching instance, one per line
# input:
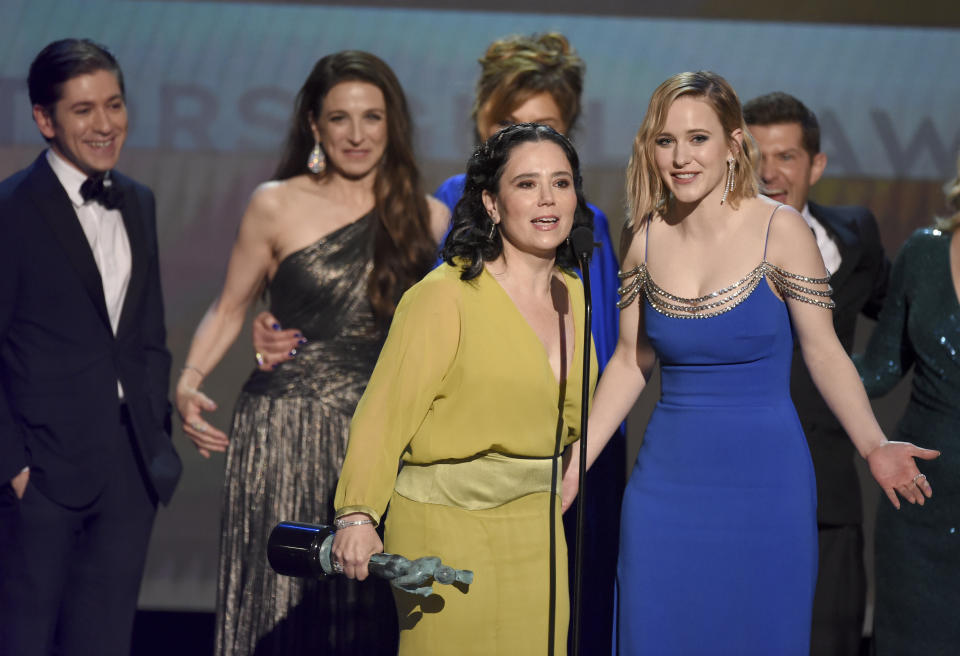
<point x="718" y="540"/>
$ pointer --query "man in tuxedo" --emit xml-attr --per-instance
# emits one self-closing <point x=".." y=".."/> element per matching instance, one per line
<point x="788" y="136"/>
<point x="85" y="451"/>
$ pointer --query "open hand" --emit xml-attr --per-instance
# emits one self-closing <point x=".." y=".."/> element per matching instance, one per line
<point x="892" y="465"/>
<point x="190" y="403"/>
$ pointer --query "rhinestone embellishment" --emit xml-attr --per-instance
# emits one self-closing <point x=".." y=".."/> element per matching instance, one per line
<point x="790" y="285"/>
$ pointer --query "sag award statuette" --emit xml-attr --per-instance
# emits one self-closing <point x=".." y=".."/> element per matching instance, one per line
<point x="303" y="550"/>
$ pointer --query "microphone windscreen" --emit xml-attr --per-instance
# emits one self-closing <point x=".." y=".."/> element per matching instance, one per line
<point x="581" y="238"/>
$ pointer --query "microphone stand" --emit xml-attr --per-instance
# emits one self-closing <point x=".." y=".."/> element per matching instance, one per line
<point x="582" y="241"/>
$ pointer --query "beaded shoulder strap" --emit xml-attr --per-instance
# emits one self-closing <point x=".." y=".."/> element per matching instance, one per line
<point x="815" y="291"/>
<point x="801" y="288"/>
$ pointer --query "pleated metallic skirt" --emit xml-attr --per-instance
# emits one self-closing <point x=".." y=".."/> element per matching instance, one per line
<point x="284" y="457"/>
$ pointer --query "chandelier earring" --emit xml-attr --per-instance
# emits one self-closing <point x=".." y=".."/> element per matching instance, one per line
<point x="317" y="161"/>
<point x="731" y="179"/>
<point x="492" y="231"/>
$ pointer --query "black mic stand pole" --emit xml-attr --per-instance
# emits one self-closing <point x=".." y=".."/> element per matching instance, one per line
<point x="582" y="239"/>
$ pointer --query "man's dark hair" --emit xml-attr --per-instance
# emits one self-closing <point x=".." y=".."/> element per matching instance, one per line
<point x="779" y="107"/>
<point x="64" y="60"/>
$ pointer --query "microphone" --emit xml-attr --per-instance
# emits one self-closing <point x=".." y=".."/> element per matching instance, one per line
<point x="581" y="240"/>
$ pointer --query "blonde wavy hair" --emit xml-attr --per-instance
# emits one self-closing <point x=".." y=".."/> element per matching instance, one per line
<point x="952" y="191"/>
<point x="646" y="192"/>
<point x="517" y="67"/>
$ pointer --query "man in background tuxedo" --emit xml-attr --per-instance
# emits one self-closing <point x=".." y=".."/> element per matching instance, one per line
<point x="85" y="451"/>
<point x="788" y="136"/>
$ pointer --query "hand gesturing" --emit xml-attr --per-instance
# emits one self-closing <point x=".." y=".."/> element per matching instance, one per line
<point x="892" y="465"/>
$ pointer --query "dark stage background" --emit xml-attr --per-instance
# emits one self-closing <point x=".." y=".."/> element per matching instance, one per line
<point x="210" y="87"/>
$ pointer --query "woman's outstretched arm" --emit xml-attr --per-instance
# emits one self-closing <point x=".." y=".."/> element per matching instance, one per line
<point x="250" y="261"/>
<point x="623" y="379"/>
<point x="792" y="247"/>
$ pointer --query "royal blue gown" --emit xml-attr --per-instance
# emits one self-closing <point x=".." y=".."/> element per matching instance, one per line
<point x="718" y="542"/>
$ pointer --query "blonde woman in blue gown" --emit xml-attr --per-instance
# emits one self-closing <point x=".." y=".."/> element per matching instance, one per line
<point x="718" y="540"/>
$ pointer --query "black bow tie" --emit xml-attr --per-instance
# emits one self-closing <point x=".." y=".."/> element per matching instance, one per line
<point x="100" y="188"/>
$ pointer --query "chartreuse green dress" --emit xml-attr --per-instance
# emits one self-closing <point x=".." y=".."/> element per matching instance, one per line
<point x="463" y="394"/>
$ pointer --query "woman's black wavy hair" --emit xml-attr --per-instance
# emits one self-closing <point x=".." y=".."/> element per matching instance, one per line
<point x="468" y="238"/>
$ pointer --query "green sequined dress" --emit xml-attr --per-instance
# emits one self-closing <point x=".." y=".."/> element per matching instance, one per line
<point x="918" y="548"/>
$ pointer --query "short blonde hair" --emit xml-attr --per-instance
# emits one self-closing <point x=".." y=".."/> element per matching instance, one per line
<point x="646" y="192"/>
<point x="517" y="67"/>
<point x="952" y="191"/>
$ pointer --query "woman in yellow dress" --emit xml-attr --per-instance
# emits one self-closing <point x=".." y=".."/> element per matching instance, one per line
<point x="477" y="390"/>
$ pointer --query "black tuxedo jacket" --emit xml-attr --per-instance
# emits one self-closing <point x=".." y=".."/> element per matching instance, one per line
<point x="859" y="286"/>
<point x="59" y="359"/>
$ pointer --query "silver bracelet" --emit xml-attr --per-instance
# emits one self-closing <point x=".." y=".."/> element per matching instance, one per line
<point x="191" y="367"/>
<point x="343" y="523"/>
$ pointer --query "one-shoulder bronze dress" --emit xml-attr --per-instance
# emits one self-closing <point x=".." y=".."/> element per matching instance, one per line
<point x="287" y="444"/>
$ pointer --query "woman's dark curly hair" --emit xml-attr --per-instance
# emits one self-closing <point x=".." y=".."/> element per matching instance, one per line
<point x="469" y="238"/>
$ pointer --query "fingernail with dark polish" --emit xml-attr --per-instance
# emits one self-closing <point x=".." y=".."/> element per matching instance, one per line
<point x="276" y="326"/>
<point x="297" y="335"/>
<point x="303" y="340"/>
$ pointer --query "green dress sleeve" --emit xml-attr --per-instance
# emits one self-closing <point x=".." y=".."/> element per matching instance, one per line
<point x="420" y="349"/>
<point x="890" y="353"/>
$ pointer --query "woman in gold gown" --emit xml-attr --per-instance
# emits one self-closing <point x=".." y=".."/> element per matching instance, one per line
<point x="477" y="390"/>
<point x="335" y="238"/>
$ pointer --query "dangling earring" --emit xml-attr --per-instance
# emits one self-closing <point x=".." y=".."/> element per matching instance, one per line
<point x="493" y="230"/>
<point x="317" y="161"/>
<point x="731" y="180"/>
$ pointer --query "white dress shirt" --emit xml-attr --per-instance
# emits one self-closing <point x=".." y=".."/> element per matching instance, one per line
<point x="106" y="235"/>
<point x="828" y="247"/>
